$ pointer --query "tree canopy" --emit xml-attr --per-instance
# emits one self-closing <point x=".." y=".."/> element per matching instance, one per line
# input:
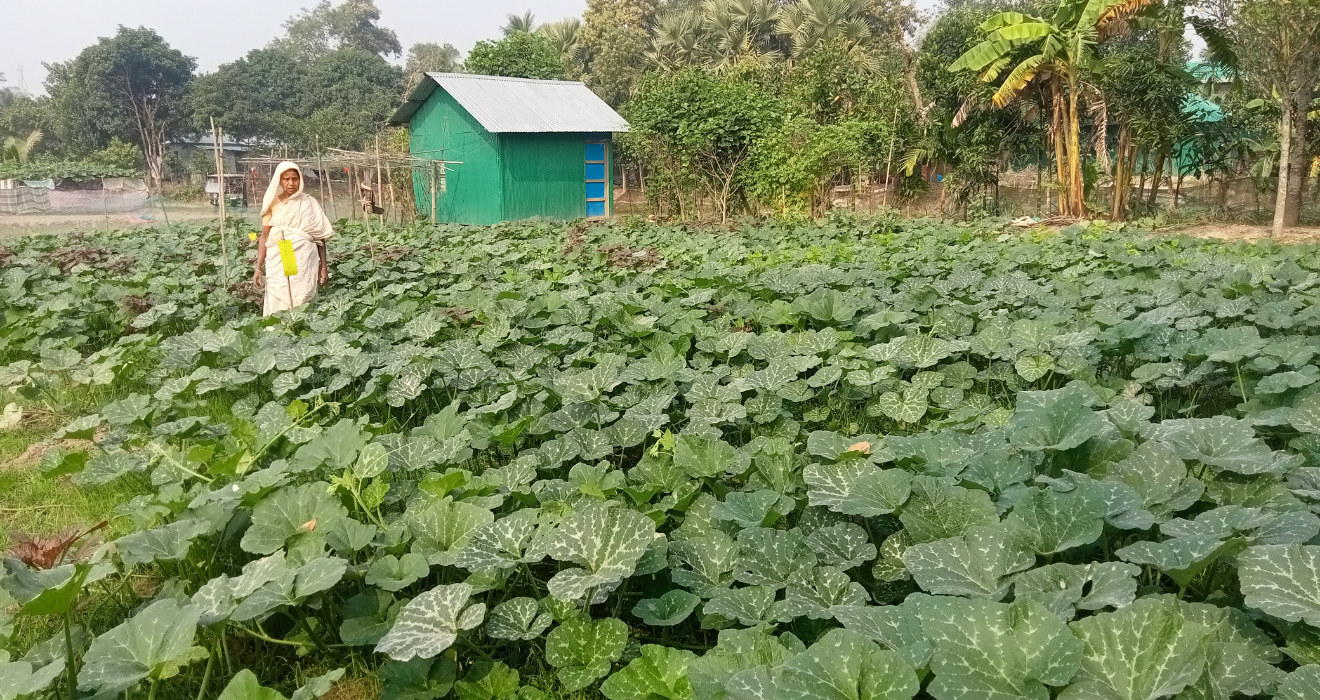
<point x="521" y="54"/>
<point x="133" y="86"/>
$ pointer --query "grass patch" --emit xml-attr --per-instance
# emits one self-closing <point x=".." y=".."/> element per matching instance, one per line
<point x="13" y="443"/>
<point x="35" y="504"/>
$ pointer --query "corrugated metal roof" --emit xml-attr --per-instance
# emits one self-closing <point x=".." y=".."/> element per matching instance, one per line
<point x="519" y="105"/>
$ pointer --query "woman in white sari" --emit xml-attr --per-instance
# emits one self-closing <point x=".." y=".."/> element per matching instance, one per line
<point x="289" y="214"/>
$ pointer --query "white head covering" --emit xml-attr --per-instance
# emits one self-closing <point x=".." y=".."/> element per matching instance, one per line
<point x="274" y="190"/>
<point x="299" y="215"/>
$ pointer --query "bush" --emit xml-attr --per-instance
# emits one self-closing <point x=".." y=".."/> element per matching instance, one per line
<point x="119" y="154"/>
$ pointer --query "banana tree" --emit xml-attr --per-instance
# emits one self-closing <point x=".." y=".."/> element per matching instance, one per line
<point x="1063" y="48"/>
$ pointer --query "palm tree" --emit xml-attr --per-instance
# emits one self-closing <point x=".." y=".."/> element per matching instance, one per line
<point x="566" y="36"/>
<point x="678" y="40"/>
<point x="740" y="31"/>
<point x="519" y="23"/>
<point x="808" y="23"/>
<point x="19" y="149"/>
<point x="1063" y="48"/>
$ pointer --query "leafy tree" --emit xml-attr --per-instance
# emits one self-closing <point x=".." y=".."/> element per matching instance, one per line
<point x="429" y="57"/>
<point x="614" y="34"/>
<point x="962" y="136"/>
<point x="700" y="130"/>
<point x="349" y="94"/>
<point x="339" y="98"/>
<point x="1145" y="97"/>
<point x="351" y="24"/>
<point x="526" y="22"/>
<point x="835" y="82"/>
<point x="519" y="55"/>
<point x="794" y="168"/>
<point x="132" y="85"/>
<point x="1278" y="47"/>
<point x="201" y="163"/>
<point x="258" y="96"/>
<point x="1062" y="49"/>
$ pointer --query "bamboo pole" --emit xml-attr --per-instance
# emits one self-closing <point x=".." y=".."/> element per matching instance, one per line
<point x="216" y="136"/>
<point x="366" y="221"/>
<point x="389" y="177"/>
<point x="329" y="182"/>
<point x="893" y="134"/>
<point x="433" y="178"/>
<point x="378" y="200"/>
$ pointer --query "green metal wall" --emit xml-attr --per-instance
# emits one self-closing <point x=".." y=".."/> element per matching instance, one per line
<point x="502" y="177"/>
<point x="543" y="176"/>
<point x="443" y="130"/>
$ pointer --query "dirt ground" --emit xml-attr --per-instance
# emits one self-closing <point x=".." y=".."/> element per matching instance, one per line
<point x="1246" y="232"/>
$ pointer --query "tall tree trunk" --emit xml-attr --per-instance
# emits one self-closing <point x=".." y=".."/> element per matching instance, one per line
<point x="1292" y="158"/>
<point x="1155" y="176"/>
<point x="1076" y="195"/>
<point x="1142" y="157"/>
<point x="1122" y="175"/>
<point x="1042" y="164"/>
<point x="1060" y="150"/>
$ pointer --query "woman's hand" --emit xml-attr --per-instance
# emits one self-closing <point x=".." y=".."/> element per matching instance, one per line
<point x="324" y="276"/>
<point x="257" y="276"/>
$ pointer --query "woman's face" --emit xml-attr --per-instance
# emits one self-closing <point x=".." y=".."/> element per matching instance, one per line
<point x="289" y="181"/>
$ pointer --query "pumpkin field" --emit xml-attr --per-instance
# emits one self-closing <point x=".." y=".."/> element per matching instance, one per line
<point x="863" y="458"/>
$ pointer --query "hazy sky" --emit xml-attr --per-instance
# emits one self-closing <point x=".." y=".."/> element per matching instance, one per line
<point x="49" y="31"/>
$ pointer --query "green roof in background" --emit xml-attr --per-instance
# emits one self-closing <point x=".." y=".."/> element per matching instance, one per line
<point x="1205" y="110"/>
<point x="1208" y="72"/>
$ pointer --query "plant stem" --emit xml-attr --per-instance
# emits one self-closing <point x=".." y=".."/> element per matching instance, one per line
<point x="206" y="675"/>
<point x="151" y="694"/>
<point x="224" y="648"/>
<point x="307" y="627"/>
<point x="475" y="648"/>
<point x="69" y="662"/>
<point x="271" y="640"/>
<point x="680" y="645"/>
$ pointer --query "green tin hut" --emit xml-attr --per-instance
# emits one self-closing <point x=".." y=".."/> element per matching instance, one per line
<point x="515" y="148"/>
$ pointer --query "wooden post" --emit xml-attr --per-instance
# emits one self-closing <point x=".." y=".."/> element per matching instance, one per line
<point x="216" y="136"/>
<point x="433" y="178"/>
<point x="893" y="134"/>
<point x="320" y="169"/>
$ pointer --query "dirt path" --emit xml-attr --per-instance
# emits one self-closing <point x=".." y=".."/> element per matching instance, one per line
<point x="26" y="224"/>
<point x="1246" y="232"/>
